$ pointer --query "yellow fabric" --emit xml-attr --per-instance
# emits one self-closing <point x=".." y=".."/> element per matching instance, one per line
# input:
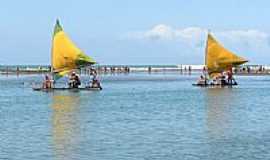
<point x="219" y="59"/>
<point x="65" y="53"/>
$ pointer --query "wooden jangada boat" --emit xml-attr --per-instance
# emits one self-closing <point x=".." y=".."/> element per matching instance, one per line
<point x="66" y="57"/>
<point x="218" y="60"/>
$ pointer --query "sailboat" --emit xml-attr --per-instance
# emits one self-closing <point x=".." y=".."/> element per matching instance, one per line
<point x="218" y="60"/>
<point x="66" y="57"/>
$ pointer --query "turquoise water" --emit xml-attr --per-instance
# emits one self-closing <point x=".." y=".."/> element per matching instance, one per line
<point x="136" y="117"/>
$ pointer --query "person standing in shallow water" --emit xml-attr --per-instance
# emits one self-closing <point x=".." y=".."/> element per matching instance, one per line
<point x="231" y="80"/>
<point x="230" y="76"/>
<point x="189" y="69"/>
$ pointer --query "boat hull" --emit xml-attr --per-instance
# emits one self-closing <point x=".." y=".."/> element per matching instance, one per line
<point x="67" y="89"/>
<point x="214" y="85"/>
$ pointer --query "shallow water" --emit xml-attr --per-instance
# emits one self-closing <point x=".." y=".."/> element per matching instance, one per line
<point x="137" y="116"/>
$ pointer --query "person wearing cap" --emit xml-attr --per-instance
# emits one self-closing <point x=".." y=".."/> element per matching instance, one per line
<point x="74" y="80"/>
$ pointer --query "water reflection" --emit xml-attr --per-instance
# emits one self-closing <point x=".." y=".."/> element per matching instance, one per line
<point x="218" y="108"/>
<point x="65" y="125"/>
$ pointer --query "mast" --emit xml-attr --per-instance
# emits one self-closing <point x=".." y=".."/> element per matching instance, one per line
<point x="57" y="28"/>
<point x="205" y="55"/>
<point x="206" y="48"/>
<point x="52" y="61"/>
<point x="52" y="51"/>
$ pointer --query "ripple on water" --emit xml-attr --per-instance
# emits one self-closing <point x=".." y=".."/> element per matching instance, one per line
<point x="136" y="116"/>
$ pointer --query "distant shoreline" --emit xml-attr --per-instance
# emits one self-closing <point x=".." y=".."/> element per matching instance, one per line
<point x="103" y="69"/>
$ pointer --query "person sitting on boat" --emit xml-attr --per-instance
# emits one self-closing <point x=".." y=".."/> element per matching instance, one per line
<point x="217" y="80"/>
<point x="202" y="80"/>
<point x="47" y="82"/>
<point x="95" y="83"/>
<point x="223" y="80"/>
<point x="74" y="80"/>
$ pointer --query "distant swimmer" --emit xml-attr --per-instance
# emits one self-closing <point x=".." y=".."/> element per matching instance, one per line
<point x="47" y="83"/>
<point x="74" y="80"/>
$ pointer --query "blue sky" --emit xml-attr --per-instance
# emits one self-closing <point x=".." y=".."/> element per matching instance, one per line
<point x="135" y="32"/>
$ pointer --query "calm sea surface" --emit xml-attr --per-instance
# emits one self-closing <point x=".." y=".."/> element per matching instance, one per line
<point x="136" y="117"/>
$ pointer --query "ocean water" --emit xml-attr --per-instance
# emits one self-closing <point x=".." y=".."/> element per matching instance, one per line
<point x="137" y="116"/>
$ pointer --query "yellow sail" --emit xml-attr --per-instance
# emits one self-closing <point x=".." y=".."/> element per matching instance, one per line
<point x="65" y="55"/>
<point x="219" y="59"/>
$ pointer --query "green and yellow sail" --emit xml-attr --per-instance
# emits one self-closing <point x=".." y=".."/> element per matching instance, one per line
<point x="219" y="59"/>
<point x="66" y="56"/>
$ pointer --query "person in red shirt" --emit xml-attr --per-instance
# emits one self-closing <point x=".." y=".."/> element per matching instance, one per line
<point x="230" y="76"/>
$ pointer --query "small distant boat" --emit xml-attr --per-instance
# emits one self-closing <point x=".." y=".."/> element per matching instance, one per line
<point x="217" y="60"/>
<point x="66" y="57"/>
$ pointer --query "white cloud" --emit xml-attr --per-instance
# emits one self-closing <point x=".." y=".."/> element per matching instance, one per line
<point x="160" y="32"/>
<point x="189" y="42"/>
<point x="196" y="36"/>
<point x="165" y="32"/>
<point x="248" y="38"/>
